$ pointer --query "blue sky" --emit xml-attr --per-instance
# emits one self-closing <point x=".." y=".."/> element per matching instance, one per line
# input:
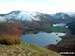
<point x="44" y="6"/>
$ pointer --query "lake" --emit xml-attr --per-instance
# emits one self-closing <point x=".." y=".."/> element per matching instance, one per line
<point x="42" y="38"/>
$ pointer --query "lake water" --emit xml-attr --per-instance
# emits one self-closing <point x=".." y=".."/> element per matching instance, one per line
<point x="42" y="38"/>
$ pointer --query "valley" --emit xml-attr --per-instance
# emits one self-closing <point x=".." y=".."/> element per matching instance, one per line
<point x="36" y="29"/>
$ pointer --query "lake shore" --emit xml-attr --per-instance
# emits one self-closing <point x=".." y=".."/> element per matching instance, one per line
<point x="42" y="38"/>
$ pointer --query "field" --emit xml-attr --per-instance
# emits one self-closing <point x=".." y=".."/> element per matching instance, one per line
<point x="56" y="29"/>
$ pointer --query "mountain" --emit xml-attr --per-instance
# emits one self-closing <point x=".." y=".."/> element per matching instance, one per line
<point x="24" y="16"/>
<point x="64" y="17"/>
<point x="2" y="19"/>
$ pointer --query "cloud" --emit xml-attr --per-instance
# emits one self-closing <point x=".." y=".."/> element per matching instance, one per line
<point x="40" y="7"/>
<point x="51" y="6"/>
<point x="63" y="2"/>
<point x="64" y="5"/>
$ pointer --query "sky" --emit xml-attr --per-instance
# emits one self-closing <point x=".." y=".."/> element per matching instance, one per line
<point x="43" y="6"/>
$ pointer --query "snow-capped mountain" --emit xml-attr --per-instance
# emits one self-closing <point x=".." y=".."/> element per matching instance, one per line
<point x="25" y="16"/>
<point x="71" y="14"/>
<point x="61" y="15"/>
<point x="22" y="15"/>
<point x="29" y="16"/>
<point x="2" y="19"/>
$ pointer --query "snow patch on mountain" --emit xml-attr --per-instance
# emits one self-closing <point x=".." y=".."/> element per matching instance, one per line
<point x="71" y="14"/>
<point x="37" y="16"/>
<point x="23" y="15"/>
<point x="2" y="19"/>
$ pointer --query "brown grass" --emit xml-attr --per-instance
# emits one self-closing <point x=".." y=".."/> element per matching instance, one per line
<point x="9" y="40"/>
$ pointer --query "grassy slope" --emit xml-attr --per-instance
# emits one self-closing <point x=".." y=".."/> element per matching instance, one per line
<point x="24" y="49"/>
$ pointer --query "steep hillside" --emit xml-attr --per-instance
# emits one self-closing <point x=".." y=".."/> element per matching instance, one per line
<point x="10" y="28"/>
<point x="25" y="49"/>
<point x="68" y="41"/>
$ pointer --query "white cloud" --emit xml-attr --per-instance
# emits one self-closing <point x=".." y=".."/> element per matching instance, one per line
<point x="40" y="7"/>
<point x="64" y="5"/>
<point x="55" y="6"/>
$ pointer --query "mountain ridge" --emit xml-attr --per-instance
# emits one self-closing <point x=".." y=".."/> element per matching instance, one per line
<point x="37" y="16"/>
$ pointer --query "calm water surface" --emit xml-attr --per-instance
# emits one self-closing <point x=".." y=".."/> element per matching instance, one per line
<point x="42" y="38"/>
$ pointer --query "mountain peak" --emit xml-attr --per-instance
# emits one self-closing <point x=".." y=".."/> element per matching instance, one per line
<point x="21" y="15"/>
